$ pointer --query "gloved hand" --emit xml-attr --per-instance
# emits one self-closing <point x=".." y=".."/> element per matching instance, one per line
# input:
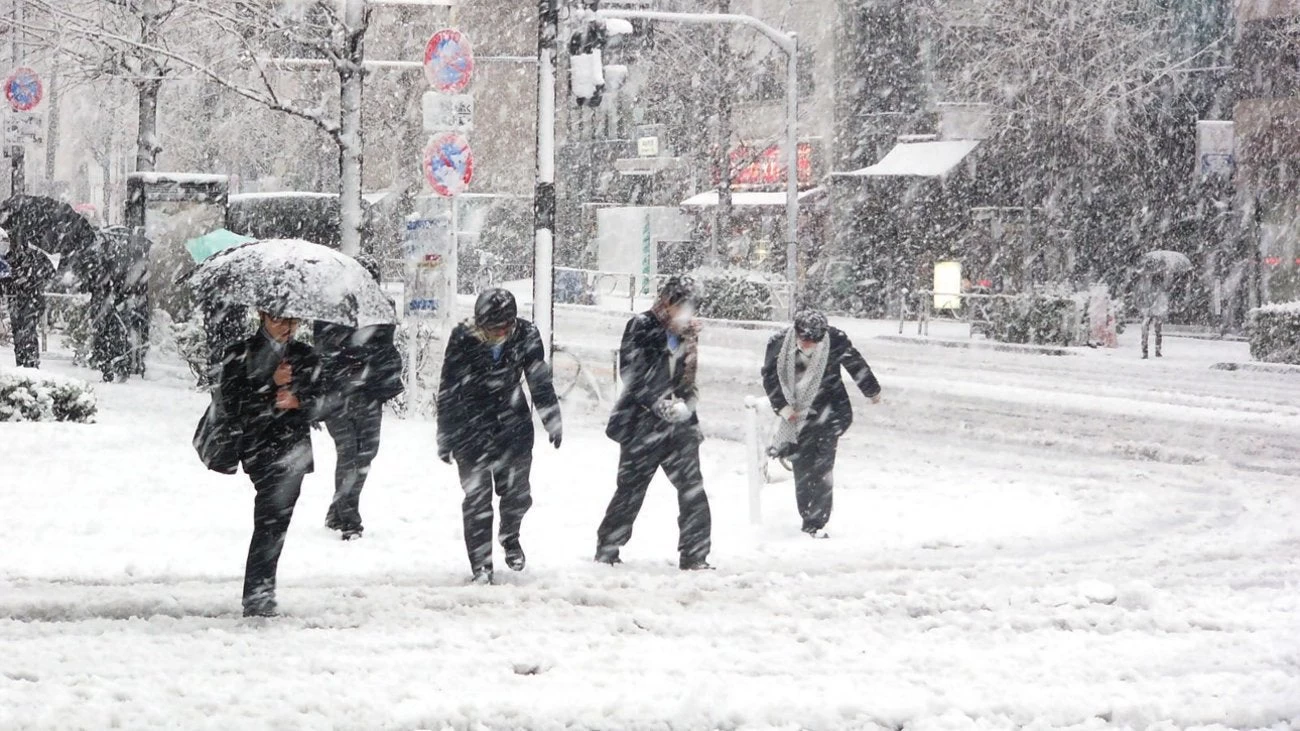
<point x="557" y="437"/>
<point x="673" y="411"/>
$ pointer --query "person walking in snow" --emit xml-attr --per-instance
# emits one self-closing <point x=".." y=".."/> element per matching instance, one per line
<point x="486" y="425"/>
<point x="655" y="424"/>
<point x="363" y="369"/>
<point x="1153" y="305"/>
<point x="802" y="377"/>
<point x="269" y="390"/>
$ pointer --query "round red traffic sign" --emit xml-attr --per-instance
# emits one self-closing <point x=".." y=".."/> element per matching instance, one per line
<point x="24" y="89"/>
<point x="448" y="164"/>
<point x="449" y="61"/>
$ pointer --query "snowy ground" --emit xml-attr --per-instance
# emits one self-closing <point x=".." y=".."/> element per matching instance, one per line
<point x="1019" y="541"/>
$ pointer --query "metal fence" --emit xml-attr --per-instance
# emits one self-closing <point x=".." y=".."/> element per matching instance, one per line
<point x="975" y="309"/>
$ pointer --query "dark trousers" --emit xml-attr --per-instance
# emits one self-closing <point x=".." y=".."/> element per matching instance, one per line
<point x="1147" y="323"/>
<point x="25" y="311"/>
<point x="277" y="493"/>
<point x="679" y="456"/>
<point x="508" y="471"/>
<point x="356" y="441"/>
<point x="814" y="465"/>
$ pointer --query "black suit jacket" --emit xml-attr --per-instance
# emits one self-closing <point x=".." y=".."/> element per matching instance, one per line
<point x="831" y="412"/>
<point x="481" y="404"/>
<point x="269" y="439"/>
<point x="643" y="364"/>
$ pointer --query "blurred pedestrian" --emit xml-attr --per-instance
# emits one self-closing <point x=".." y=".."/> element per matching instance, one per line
<point x="1153" y="306"/>
<point x="655" y="423"/>
<point x="803" y="380"/>
<point x="269" y="390"/>
<point x="30" y="270"/>
<point x="486" y="425"/>
<point x="363" y="369"/>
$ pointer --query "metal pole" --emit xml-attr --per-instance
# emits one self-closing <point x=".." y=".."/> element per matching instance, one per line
<point x="792" y="173"/>
<point x="754" y="461"/>
<point x="548" y="19"/>
<point x="17" y="152"/>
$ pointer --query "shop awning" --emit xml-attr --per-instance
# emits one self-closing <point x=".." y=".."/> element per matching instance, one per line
<point x="747" y="198"/>
<point x="933" y="159"/>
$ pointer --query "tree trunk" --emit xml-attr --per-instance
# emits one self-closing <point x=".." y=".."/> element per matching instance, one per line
<point x="351" y="90"/>
<point x="146" y="140"/>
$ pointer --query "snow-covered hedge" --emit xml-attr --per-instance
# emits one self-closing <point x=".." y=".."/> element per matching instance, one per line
<point x="737" y="296"/>
<point x="1039" y="318"/>
<point x="1275" y="333"/>
<point x="30" y="395"/>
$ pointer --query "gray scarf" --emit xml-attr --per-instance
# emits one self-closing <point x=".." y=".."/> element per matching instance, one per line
<point x="799" y="392"/>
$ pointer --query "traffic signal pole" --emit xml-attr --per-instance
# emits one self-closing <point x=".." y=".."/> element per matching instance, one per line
<point x="548" y="16"/>
<point x="788" y="43"/>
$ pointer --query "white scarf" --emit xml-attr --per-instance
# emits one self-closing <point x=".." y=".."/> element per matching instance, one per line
<point x="800" y="393"/>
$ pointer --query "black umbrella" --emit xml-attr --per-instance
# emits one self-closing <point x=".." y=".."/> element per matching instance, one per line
<point x="38" y="222"/>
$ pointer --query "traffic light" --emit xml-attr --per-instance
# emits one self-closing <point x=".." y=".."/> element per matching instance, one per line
<point x="586" y="62"/>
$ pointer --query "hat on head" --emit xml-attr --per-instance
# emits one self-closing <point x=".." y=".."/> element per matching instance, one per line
<point x="811" y="325"/>
<point x="495" y="308"/>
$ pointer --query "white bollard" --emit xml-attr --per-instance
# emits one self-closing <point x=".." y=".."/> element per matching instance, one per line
<point x="755" y="461"/>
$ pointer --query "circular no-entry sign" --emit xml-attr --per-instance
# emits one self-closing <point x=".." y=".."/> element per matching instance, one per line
<point x="448" y="164"/>
<point x="449" y="61"/>
<point x="23" y="89"/>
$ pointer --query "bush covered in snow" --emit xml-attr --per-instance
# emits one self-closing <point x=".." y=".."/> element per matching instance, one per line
<point x="1040" y="318"/>
<point x="734" y="296"/>
<point x="1275" y="333"/>
<point x="29" y="395"/>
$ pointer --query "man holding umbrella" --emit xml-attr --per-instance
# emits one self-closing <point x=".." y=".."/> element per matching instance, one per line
<point x="486" y="425"/>
<point x="271" y="387"/>
<point x="1156" y="270"/>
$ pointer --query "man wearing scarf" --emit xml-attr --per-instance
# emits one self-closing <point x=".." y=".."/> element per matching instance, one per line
<point x="486" y="425"/>
<point x="801" y="375"/>
<point x="655" y="424"/>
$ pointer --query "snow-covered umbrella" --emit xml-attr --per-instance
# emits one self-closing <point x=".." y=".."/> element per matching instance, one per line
<point x="294" y="278"/>
<point x="1168" y="262"/>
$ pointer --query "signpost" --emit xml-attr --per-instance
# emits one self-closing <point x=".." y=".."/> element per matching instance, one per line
<point x="449" y="61"/>
<point x="24" y="90"/>
<point x="444" y="112"/>
<point x="448" y="164"/>
<point x="23" y="127"/>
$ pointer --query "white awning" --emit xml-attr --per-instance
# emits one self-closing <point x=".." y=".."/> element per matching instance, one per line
<point x="919" y="159"/>
<point x="745" y="198"/>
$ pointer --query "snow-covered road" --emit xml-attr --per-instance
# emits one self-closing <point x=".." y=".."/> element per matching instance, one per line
<point x="1019" y="541"/>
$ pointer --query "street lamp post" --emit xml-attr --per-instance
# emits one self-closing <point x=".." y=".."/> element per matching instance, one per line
<point x="788" y="43"/>
<point x="548" y="21"/>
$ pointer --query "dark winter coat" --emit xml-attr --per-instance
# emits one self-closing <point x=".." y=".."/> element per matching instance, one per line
<point x="831" y="412"/>
<point x="481" y="404"/>
<point x="269" y="438"/>
<point x="359" y="363"/>
<point x="647" y="379"/>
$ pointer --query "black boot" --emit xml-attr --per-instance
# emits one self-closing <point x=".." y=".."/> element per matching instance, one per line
<point x="515" y="558"/>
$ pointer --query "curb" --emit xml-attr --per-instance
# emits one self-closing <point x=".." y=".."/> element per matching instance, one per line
<point x="1276" y="368"/>
<point x="964" y="345"/>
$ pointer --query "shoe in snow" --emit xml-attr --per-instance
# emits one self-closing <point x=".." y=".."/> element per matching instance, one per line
<point x="515" y="558"/>
<point x="695" y="564"/>
<point x="482" y="576"/>
<point x="816" y="533"/>
<point x="264" y="609"/>
<point x="351" y="534"/>
<point x="608" y="556"/>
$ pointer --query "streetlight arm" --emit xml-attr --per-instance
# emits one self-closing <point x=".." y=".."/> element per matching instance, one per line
<point x="779" y="37"/>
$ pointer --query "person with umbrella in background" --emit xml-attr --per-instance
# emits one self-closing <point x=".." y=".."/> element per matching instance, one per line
<point x="803" y="380"/>
<point x="41" y="231"/>
<point x="655" y="424"/>
<point x="1156" y="270"/>
<point x="363" y="369"/>
<point x="271" y="388"/>
<point x="486" y="426"/>
<point x="116" y="272"/>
